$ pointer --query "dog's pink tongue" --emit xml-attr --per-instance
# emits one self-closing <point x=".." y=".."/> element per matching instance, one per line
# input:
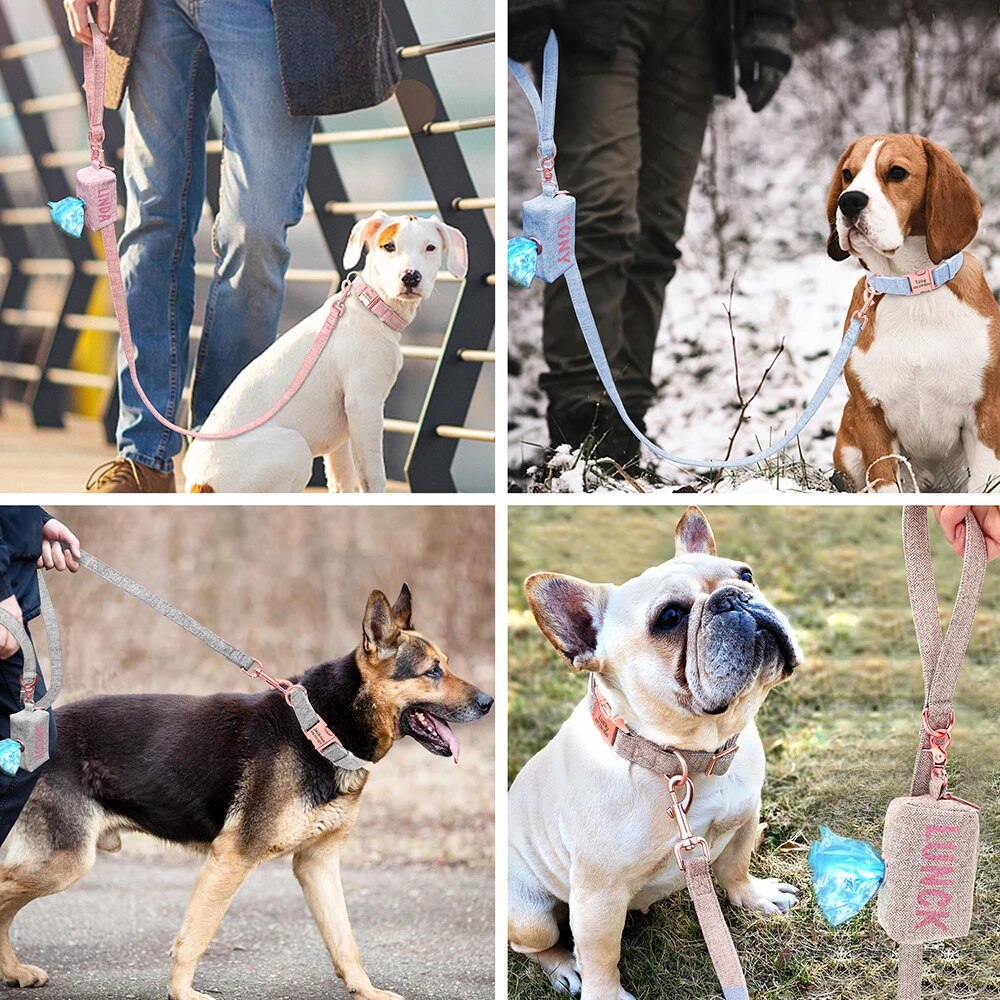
<point x="444" y="731"/>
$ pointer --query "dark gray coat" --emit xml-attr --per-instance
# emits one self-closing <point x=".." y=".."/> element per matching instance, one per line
<point x="335" y="55"/>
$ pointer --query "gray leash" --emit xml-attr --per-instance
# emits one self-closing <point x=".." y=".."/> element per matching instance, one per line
<point x="315" y="729"/>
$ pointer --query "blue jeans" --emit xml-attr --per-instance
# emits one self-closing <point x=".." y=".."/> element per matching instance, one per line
<point x="186" y="52"/>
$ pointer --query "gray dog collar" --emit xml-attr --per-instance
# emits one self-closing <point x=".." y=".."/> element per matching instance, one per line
<point x="652" y="756"/>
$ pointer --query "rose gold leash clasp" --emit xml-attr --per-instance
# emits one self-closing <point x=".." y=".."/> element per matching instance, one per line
<point x="870" y="296"/>
<point x="678" y="811"/>
<point x="940" y="740"/>
<point x="546" y="164"/>
<point x="286" y="687"/>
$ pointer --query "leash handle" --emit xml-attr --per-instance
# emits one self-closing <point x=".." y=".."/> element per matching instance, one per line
<point x="29" y="672"/>
<point x="95" y="61"/>
<point x="941" y="653"/>
<point x="94" y="70"/>
<point x="544" y="108"/>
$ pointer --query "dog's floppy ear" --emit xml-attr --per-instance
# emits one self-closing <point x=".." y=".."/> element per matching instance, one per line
<point x="361" y="236"/>
<point x="570" y="613"/>
<point x="379" y="632"/>
<point x="833" y="247"/>
<point x="458" y="249"/>
<point x="951" y="206"/>
<point x="402" y="609"/>
<point x="694" y="534"/>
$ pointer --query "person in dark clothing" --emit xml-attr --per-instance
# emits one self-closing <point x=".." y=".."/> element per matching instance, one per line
<point x="636" y="85"/>
<point x="30" y="539"/>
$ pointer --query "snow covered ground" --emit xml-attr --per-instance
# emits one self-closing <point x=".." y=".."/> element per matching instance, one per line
<point x="758" y="214"/>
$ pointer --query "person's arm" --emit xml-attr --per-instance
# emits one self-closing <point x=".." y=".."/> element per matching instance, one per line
<point x="8" y="644"/>
<point x="76" y="15"/>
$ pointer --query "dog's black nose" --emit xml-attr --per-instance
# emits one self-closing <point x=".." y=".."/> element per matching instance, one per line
<point x="483" y="702"/>
<point x="411" y="279"/>
<point x="852" y="202"/>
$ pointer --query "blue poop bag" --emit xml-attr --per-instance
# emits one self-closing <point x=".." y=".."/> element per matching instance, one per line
<point x="846" y="874"/>
<point x="522" y="258"/>
<point x="68" y="215"/>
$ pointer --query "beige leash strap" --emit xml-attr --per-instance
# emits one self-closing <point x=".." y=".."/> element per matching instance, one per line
<point x="715" y="930"/>
<point x="941" y="656"/>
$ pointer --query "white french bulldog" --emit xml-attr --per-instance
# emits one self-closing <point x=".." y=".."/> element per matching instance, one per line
<point x="684" y="654"/>
<point x="338" y="412"/>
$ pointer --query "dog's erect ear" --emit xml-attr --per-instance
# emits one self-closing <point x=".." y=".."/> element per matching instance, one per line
<point x="951" y="206"/>
<point x="570" y="613"/>
<point x="362" y="235"/>
<point x="833" y="247"/>
<point x="402" y="609"/>
<point x="379" y="632"/>
<point x="694" y="534"/>
<point x="458" y="249"/>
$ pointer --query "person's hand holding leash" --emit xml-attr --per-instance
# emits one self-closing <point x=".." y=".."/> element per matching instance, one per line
<point x="54" y="556"/>
<point x="951" y="520"/>
<point x="8" y="644"/>
<point x="765" y="58"/>
<point x="76" y="15"/>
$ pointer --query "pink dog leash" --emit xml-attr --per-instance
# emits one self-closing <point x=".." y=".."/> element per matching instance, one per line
<point x="96" y="187"/>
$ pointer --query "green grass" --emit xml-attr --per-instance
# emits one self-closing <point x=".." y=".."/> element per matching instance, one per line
<point x="840" y="737"/>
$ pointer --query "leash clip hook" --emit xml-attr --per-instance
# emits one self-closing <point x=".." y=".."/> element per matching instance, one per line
<point x="678" y="810"/>
<point x="870" y="296"/>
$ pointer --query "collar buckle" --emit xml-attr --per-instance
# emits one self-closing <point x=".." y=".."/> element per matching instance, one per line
<point x="608" y="726"/>
<point x="321" y="736"/>
<point x="921" y="281"/>
<point x="720" y="755"/>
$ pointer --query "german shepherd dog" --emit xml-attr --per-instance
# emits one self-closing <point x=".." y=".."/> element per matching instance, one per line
<point x="234" y="776"/>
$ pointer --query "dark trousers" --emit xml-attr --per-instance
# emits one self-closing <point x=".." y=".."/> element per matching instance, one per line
<point x="14" y="791"/>
<point x="629" y="132"/>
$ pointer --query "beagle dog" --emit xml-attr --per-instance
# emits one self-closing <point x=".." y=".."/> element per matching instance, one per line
<point x="338" y="411"/>
<point x="924" y="378"/>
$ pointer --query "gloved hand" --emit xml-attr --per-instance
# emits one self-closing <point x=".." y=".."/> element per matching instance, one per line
<point x="528" y="25"/>
<point x="765" y="58"/>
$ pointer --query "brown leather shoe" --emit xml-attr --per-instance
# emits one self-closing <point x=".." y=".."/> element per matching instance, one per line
<point x="122" y="475"/>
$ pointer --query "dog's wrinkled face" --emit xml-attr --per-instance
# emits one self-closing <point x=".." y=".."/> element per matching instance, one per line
<point x="409" y="682"/>
<point x="889" y="191"/>
<point x="405" y="254"/>
<point x="689" y="648"/>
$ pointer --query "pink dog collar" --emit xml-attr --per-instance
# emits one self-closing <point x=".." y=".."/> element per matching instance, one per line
<point x="374" y="303"/>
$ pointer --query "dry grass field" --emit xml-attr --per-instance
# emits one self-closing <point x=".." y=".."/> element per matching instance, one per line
<point x="289" y="585"/>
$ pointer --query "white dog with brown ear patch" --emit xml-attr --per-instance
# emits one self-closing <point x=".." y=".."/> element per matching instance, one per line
<point x="680" y="659"/>
<point x="338" y="412"/>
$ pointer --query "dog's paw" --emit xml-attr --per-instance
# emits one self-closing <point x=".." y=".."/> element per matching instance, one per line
<point x="767" y="895"/>
<point x="565" y="979"/>
<point x="373" y="994"/>
<point x="26" y="976"/>
<point x="189" y="995"/>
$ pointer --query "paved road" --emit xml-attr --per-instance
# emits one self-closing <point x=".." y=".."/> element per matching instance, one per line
<point x="425" y="933"/>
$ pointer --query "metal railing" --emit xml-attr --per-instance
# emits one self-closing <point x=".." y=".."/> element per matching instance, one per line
<point x="37" y="344"/>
